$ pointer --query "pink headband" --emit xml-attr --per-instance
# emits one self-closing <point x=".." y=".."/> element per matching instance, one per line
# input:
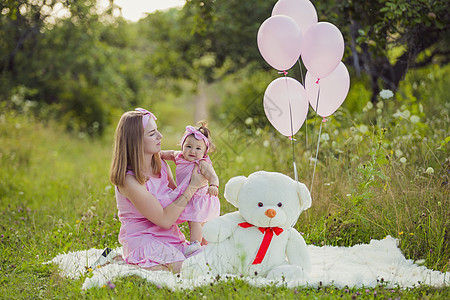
<point x="146" y="117"/>
<point x="197" y="134"/>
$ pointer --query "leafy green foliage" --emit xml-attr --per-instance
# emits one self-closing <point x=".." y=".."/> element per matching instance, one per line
<point x="386" y="38"/>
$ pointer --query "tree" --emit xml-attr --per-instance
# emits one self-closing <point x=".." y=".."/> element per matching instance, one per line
<point x="384" y="38"/>
<point x="77" y="66"/>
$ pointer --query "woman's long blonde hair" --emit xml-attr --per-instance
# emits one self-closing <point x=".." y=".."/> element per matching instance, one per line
<point x="128" y="150"/>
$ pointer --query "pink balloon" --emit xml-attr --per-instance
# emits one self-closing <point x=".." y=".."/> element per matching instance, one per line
<point x="286" y="105"/>
<point x="279" y="42"/>
<point x="302" y="11"/>
<point x="333" y="90"/>
<point x="323" y="49"/>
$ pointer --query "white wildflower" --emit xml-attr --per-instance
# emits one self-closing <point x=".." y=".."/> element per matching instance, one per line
<point x="239" y="159"/>
<point x="336" y="132"/>
<point x="379" y="111"/>
<point x="429" y="170"/>
<point x="406" y="113"/>
<point x="402" y="114"/>
<point x="363" y="129"/>
<point x="258" y="131"/>
<point x="403" y="160"/>
<point x="386" y="94"/>
<point x="398" y="114"/>
<point x="325" y="137"/>
<point x="414" y="119"/>
<point x="398" y="153"/>
<point x="369" y="105"/>
<point x="266" y="143"/>
<point x="248" y="121"/>
<point x="380" y="104"/>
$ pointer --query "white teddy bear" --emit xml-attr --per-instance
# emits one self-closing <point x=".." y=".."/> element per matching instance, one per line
<point x="259" y="239"/>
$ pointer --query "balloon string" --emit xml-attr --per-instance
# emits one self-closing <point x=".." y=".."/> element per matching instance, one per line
<point x="315" y="161"/>
<point x="317" y="101"/>
<point x="303" y="83"/>
<point x="318" y="141"/>
<point x="292" y="130"/>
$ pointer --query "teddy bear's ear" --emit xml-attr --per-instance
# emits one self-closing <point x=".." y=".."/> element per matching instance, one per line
<point x="304" y="196"/>
<point x="232" y="189"/>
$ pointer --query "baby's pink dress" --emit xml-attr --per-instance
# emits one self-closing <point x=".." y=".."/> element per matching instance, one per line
<point x="202" y="207"/>
<point x="144" y="243"/>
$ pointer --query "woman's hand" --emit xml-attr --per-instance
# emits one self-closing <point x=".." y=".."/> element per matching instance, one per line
<point x="197" y="179"/>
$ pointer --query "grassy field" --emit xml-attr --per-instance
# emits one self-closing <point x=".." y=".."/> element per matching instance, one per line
<point x="385" y="172"/>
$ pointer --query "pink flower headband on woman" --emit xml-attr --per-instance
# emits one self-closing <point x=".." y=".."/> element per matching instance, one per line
<point x="146" y="117"/>
<point x="197" y="134"/>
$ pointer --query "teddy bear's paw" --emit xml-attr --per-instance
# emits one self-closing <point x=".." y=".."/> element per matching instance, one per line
<point x="288" y="272"/>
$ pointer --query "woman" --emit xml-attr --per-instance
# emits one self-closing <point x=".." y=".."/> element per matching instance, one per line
<point x="148" y="206"/>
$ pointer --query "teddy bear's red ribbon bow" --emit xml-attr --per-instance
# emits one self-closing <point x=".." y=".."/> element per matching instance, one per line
<point x="268" y="234"/>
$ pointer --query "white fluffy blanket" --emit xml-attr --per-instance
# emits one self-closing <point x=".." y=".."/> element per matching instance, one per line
<point x="357" y="266"/>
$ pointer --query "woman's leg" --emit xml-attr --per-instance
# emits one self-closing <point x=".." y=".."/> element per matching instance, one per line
<point x="174" y="267"/>
<point x="158" y="268"/>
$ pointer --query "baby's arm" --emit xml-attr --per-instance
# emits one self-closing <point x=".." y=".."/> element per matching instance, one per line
<point x="169" y="154"/>
<point x="210" y="174"/>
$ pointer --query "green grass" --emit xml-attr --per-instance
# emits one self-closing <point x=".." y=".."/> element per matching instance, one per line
<point x="56" y="197"/>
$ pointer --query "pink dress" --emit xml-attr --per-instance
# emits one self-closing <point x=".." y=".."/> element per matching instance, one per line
<point x="144" y="243"/>
<point x="202" y="207"/>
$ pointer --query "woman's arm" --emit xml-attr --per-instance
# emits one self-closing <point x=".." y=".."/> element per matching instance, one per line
<point x="172" y="183"/>
<point x="147" y="204"/>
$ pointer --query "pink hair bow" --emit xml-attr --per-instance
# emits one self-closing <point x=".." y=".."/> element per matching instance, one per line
<point x="197" y="134"/>
<point x="146" y="117"/>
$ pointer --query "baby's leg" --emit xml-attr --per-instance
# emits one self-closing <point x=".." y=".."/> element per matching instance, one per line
<point x="195" y="229"/>
<point x="196" y="238"/>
